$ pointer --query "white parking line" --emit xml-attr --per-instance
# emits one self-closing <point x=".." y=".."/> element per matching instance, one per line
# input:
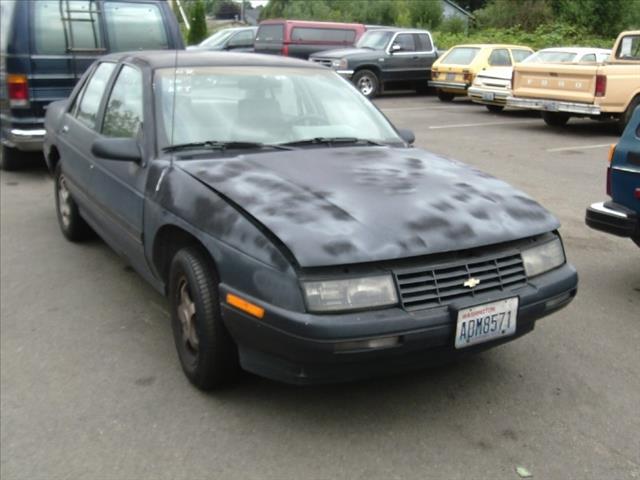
<point x="578" y="147"/>
<point x="483" y="124"/>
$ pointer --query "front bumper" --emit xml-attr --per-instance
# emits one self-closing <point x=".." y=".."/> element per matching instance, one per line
<point x="300" y="348"/>
<point x="612" y="218"/>
<point x="554" y="106"/>
<point x="451" y="86"/>
<point x="488" y="96"/>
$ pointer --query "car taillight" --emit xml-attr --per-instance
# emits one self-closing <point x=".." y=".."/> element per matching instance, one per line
<point x="466" y="75"/>
<point x="612" y="151"/>
<point x="285" y="50"/>
<point x="601" y="85"/>
<point x="636" y="193"/>
<point x="18" y="90"/>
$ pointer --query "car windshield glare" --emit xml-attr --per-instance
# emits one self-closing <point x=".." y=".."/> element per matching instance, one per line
<point x="460" y="56"/>
<point x="552" y="57"/>
<point x="375" y="40"/>
<point x="266" y="105"/>
<point x="216" y="39"/>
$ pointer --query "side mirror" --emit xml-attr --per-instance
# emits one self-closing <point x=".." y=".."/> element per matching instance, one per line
<point x="395" y="48"/>
<point x="122" y="149"/>
<point x="407" y="135"/>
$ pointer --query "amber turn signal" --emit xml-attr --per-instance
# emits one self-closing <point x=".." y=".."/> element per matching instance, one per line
<point x="247" y="307"/>
<point x="612" y="151"/>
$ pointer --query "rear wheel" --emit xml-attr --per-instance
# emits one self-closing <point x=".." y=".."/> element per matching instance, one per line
<point x="206" y="350"/>
<point x="367" y="82"/>
<point x="495" y="108"/>
<point x="71" y="223"/>
<point x="445" y="96"/>
<point x="10" y="159"/>
<point x="555" y="119"/>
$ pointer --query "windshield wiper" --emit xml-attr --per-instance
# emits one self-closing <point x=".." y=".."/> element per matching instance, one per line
<point x="330" y="141"/>
<point x="216" y="145"/>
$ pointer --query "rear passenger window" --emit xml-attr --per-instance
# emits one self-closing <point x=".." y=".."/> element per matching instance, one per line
<point x="123" y="115"/>
<point x="500" y="58"/>
<point x="90" y="104"/>
<point x="270" y="33"/>
<point x="300" y="34"/>
<point x="520" y="55"/>
<point x="424" y="43"/>
<point x="591" y="58"/>
<point x="135" y="26"/>
<point x="60" y="26"/>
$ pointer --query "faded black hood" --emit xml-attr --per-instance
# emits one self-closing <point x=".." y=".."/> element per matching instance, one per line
<point x="343" y="205"/>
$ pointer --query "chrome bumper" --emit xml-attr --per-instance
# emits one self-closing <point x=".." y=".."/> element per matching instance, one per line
<point x="480" y="94"/>
<point x="450" y="85"/>
<point x="553" y="106"/>
<point x="25" y="140"/>
<point x="345" y="73"/>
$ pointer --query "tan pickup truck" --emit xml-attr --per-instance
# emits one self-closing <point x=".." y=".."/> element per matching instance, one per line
<point x="601" y="91"/>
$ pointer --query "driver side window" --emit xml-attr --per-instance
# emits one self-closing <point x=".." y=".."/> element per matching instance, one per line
<point x="406" y="42"/>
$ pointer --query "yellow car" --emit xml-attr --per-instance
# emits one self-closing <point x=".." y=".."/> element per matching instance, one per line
<point x="453" y="72"/>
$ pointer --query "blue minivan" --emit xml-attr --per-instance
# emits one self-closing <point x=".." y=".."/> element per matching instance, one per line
<point x="621" y="215"/>
<point x="46" y="45"/>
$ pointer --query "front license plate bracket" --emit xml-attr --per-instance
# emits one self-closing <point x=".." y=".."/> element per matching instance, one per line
<point x="486" y="322"/>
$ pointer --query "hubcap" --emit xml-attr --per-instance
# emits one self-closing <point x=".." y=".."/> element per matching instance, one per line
<point x="365" y="85"/>
<point x="64" y="202"/>
<point x="187" y="314"/>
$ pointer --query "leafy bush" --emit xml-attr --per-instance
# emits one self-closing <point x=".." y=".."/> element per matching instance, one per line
<point x="198" y="31"/>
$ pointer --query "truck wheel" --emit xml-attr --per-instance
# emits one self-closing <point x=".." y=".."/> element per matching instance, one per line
<point x="71" y="223"/>
<point x="367" y="82"/>
<point x="625" y="118"/>
<point x="10" y="159"/>
<point x="445" y="96"/>
<point x="495" y="108"/>
<point x="555" y="119"/>
<point x="205" y="348"/>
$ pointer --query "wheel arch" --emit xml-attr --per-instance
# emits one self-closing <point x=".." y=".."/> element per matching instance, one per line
<point x="52" y="158"/>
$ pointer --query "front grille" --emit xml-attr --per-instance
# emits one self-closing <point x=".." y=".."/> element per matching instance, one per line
<point x="323" y="61"/>
<point x="433" y="286"/>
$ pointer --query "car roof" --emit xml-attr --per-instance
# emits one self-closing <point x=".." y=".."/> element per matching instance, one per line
<point x="309" y="23"/>
<point x="155" y="59"/>
<point x="577" y="50"/>
<point x="492" y="45"/>
<point x="397" y="29"/>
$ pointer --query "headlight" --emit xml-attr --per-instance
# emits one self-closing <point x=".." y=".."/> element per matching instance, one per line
<point x="477" y="82"/>
<point x="342" y="63"/>
<point x="350" y="294"/>
<point x="542" y="258"/>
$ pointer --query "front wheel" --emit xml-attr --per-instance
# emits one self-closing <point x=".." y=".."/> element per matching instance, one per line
<point x="555" y="119"/>
<point x="205" y="348"/>
<point x="445" y="96"/>
<point x="495" y="108"/>
<point x="367" y="83"/>
<point x="628" y="113"/>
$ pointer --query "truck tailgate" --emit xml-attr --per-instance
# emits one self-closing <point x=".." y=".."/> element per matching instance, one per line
<point x="569" y="83"/>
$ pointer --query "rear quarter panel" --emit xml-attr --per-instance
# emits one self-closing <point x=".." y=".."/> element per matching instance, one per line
<point x="623" y="84"/>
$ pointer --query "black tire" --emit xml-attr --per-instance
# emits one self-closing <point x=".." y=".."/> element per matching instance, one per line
<point x="445" y="96"/>
<point x="367" y="82"/>
<point x="555" y="119"/>
<point x="72" y="225"/>
<point x="625" y="118"/>
<point x="495" y="108"/>
<point x="206" y="350"/>
<point x="11" y="159"/>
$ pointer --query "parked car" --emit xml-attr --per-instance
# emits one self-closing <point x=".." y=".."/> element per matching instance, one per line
<point x="293" y="228"/>
<point x="492" y="86"/>
<point x="621" y="215"/>
<point x="453" y="73"/>
<point x="298" y="38"/>
<point x="46" y="45"/>
<point x="608" y="91"/>
<point x="239" y="39"/>
<point x="384" y="58"/>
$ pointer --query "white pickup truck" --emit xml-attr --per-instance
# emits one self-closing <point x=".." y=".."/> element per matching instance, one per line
<point x="607" y="91"/>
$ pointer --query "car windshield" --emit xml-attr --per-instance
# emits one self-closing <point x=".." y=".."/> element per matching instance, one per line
<point x="460" y="56"/>
<point x="555" y="56"/>
<point x="216" y="39"/>
<point x="375" y="40"/>
<point x="266" y="105"/>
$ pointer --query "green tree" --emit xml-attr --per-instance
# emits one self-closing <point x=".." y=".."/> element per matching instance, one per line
<point x="198" y="21"/>
<point x="601" y="17"/>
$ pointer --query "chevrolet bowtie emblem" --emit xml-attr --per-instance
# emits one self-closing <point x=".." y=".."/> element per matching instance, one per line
<point x="471" y="283"/>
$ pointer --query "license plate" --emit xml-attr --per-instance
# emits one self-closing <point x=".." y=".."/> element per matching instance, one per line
<point x="488" y="96"/>
<point x="451" y="77"/>
<point x="486" y="322"/>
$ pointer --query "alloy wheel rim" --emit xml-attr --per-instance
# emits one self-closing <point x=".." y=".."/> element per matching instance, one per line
<point x="365" y="85"/>
<point x="64" y="202"/>
<point x="186" y="310"/>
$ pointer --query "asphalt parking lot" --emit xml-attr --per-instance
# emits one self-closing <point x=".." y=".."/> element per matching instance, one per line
<point x="91" y="386"/>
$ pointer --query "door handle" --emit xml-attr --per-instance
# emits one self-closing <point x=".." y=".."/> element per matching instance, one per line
<point x="65" y="129"/>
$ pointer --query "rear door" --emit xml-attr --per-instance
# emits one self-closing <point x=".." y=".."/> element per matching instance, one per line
<point x="426" y="55"/>
<point x="270" y="39"/>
